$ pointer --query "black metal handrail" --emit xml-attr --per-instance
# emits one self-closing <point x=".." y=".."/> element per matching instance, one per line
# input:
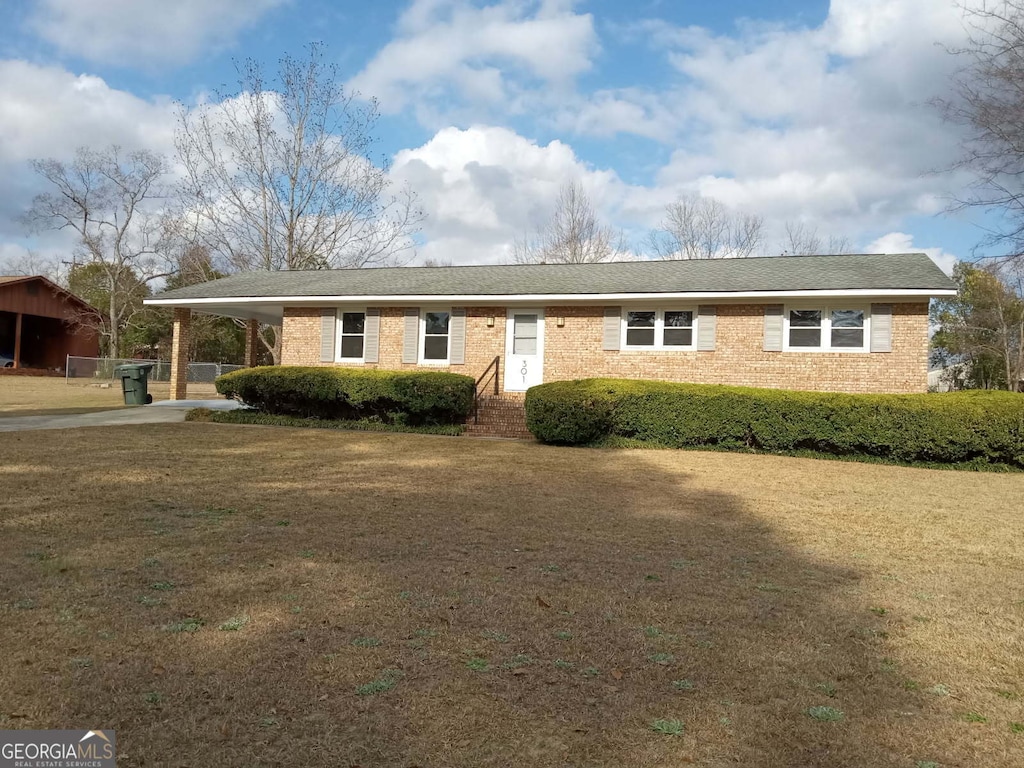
<point x="495" y="364"/>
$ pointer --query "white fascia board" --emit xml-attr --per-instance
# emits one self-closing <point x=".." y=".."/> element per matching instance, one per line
<point x="550" y="298"/>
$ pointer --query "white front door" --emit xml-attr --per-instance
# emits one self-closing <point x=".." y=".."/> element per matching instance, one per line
<point x="524" y="349"/>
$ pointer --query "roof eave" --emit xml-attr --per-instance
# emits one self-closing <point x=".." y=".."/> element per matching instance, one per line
<point x="86" y="306"/>
<point x="564" y="298"/>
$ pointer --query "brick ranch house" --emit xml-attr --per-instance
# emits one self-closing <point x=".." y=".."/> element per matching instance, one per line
<point x="851" y="323"/>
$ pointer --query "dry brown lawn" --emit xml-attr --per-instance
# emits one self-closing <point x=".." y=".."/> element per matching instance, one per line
<point x="32" y="395"/>
<point x="403" y="600"/>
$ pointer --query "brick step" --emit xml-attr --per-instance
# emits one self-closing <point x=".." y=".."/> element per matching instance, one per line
<point x="499" y="416"/>
<point x="502" y="413"/>
<point x="485" y="418"/>
<point x="479" y="430"/>
<point x="504" y="403"/>
<point x="505" y="413"/>
<point x="510" y="430"/>
<point x="497" y="426"/>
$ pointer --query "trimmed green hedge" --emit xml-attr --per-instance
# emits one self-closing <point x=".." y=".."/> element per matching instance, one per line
<point x="948" y="428"/>
<point x="393" y="397"/>
<point x="255" y="418"/>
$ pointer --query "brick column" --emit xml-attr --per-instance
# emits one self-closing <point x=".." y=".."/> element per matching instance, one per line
<point x="252" y="342"/>
<point x="179" y="353"/>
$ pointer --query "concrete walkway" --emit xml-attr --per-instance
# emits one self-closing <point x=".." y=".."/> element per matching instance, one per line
<point x="164" y="412"/>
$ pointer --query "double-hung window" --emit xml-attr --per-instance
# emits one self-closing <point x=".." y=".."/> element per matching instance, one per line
<point x="847" y="326"/>
<point x="836" y="328"/>
<point x="435" y="325"/>
<point x="351" y="335"/>
<point x="659" y="328"/>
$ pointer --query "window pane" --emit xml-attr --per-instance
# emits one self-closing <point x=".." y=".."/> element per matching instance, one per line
<point x="437" y="322"/>
<point x="805" y="318"/>
<point x="525" y="326"/>
<point x="352" y="346"/>
<point x="524" y="346"/>
<point x="848" y="338"/>
<point x="678" y="337"/>
<point x="640" y="320"/>
<point x="352" y="322"/>
<point x="848" y="318"/>
<point x="640" y="337"/>
<point x="805" y="337"/>
<point x="435" y="348"/>
<point x="678" y="319"/>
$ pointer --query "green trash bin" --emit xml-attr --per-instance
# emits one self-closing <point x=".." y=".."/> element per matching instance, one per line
<point x="135" y="383"/>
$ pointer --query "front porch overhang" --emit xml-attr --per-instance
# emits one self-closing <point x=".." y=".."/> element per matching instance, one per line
<point x="247" y="309"/>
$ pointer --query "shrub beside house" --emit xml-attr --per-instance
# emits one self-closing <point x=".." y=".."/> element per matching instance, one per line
<point x="388" y="397"/>
<point x="963" y="428"/>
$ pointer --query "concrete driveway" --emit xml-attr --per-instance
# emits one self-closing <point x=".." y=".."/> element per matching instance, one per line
<point x="164" y="412"/>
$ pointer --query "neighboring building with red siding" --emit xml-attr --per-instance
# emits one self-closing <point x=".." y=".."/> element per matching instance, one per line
<point x="41" y="324"/>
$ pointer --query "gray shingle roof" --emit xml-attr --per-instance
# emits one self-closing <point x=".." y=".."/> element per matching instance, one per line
<point x="784" y="273"/>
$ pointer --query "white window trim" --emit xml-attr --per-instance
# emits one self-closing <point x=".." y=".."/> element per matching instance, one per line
<point x="338" y="336"/>
<point x="826" y="327"/>
<point x="659" y="330"/>
<point x="423" y="336"/>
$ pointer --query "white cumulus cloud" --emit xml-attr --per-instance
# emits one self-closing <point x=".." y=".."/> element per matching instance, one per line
<point x="828" y="125"/>
<point x="143" y="33"/>
<point x="49" y="112"/>
<point x="447" y="50"/>
<point x="484" y="186"/>
<point x="901" y="242"/>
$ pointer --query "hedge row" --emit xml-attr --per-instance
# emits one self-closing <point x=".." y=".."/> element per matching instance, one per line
<point x="393" y="397"/>
<point x="363" y="425"/>
<point x="948" y="428"/>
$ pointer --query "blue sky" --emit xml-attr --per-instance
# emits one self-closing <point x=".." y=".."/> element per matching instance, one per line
<point x="799" y="111"/>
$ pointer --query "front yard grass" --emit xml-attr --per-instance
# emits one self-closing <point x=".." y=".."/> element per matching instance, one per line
<point x="51" y="395"/>
<point x="256" y="418"/>
<point x="237" y="596"/>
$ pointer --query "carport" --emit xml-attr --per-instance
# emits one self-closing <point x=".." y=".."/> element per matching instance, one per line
<point x="182" y="321"/>
<point x="42" y="323"/>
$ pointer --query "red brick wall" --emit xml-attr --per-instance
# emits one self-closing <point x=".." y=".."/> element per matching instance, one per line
<point x="574" y="351"/>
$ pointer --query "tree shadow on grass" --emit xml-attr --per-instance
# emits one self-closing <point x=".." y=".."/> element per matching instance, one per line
<point x="427" y="601"/>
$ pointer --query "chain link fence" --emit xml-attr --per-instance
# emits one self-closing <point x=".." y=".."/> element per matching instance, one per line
<point x="102" y="369"/>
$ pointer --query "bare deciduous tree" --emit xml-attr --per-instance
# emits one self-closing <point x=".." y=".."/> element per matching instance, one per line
<point x="804" y="240"/>
<point x="282" y="177"/>
<point x="112" y="200"/>
<point x="574" y="235"/>
<point x="988" y="100"/>
<point x="33" y="263"/>
<point x="698" y="227"/>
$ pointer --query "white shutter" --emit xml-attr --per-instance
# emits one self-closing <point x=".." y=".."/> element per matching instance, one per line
<point x="773" y="328"/>
<point x="881" y="327"/>
<point x="612" y="328"/>
<point x="371" y="340"/>
<point x="411" y="336"/>
<point x="457" y="336"/>
<point x="328" y="329"/>
<point x="707" y="320"/>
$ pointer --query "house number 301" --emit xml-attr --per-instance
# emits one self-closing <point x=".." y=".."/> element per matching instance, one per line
<point x="523" y="371"/>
